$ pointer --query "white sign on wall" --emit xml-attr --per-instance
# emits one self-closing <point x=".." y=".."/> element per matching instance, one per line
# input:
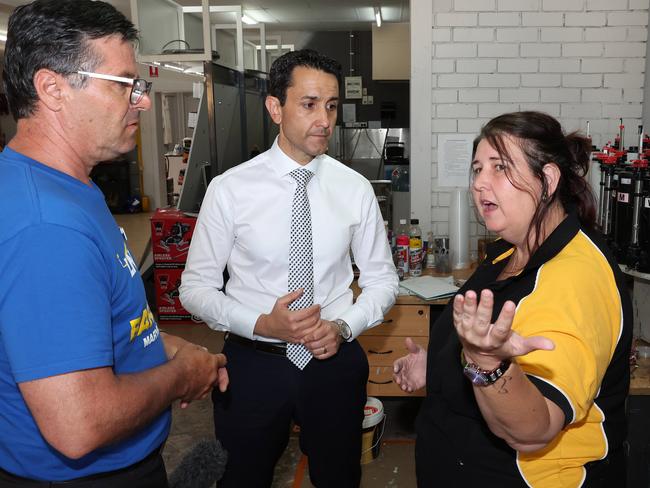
<point x="454" y="159"/>
<point x="353" y="87"/>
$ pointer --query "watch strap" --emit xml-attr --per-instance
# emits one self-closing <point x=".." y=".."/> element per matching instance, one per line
<point x="344" y="329"/>
<point x="483" y="377"/>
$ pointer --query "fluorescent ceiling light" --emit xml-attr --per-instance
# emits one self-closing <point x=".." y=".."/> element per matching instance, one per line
<point x="275" y="46"/>
<point x="378" y="16"/>
<point x="3" y="36"/>
<point x="171" y="66"/>
<point x="247" y="20"/>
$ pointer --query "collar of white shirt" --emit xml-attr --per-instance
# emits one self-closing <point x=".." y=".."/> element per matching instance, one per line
<point x="283" y="164"/>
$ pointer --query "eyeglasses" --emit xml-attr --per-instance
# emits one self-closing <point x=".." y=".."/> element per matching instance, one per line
<point x="139" y="86"/>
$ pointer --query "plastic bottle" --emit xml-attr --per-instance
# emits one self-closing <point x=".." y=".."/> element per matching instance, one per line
<point x="431" y="260"/>
<point x="415" y="248"/>
<point x="402" y="244"/>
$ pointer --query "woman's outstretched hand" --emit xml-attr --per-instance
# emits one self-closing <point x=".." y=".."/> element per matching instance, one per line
<point x="410" y="371"/>
<point x="487" y="343"/>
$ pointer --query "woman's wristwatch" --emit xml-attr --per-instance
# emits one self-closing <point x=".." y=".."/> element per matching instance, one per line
<point x="483" y="377"/>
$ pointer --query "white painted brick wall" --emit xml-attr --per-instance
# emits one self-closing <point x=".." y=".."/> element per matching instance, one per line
<point x="563" y="5"/>
<point x="634" y="65"/>
<point x="490" y="110"/>
<point x="443" y="65"/>
<point x="463" y="34"/>
<point x="639" y="4"/>
<point x="606" y="5"/>
<point x="542" y="19"/>
<point x="637" y="33"/>
<point x="561" y="34"/>
<point x="582" y="49"/>
<point x="587" y="81"/>
<point x="627" y="18"/>
<point x="585" y="19"/>
<point x="624" y="49"/>
<point x="476" y="65"/>
<point x="473" y="5"/>
<point x="633" y="95"/>
<point x="471" y="126"/>
<point x="441" y="95"/>
<point x="499" y="80"/>
<point x="499" y="19"/>
<point x="606" y="34"/>
<point x="498" y="50"/>
<point x="549" y="108"/>
<point x="582" y="110"/>
<point x="518" y="65"/>
<point x="541" y="80"/>
<point x="456" y="50"/>
<point x="577" y="60"/>
<point x="478" y="95"/>
<point x="567" y="95"/>
<point x="602" y="95"/>
<point x="513" y="95"/>
<point x="455" y="80"/>
<point x="540" y="50"/>
<point x="558" y="65"/>
<point x="518" y="5"/>
<point x="517" y="34"/>
<point x="602" y="66"/>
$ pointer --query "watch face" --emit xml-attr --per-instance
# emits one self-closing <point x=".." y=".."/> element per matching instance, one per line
<point x="476" y="377"/>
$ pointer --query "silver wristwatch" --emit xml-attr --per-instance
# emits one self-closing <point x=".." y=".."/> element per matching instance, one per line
<point x="344" y="329"/>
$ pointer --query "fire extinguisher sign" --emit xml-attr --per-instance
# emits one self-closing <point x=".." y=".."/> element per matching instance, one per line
<point x="153" y="71"/>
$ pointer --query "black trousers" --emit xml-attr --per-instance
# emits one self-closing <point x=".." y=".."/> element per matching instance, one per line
<point x="266" y="392"/>
<point x="148" y="473"/>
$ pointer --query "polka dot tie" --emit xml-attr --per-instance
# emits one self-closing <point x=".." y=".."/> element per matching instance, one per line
<point x="301" y="259"/>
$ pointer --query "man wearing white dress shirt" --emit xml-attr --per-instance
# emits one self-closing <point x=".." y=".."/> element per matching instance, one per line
<point x="248" y="222"/>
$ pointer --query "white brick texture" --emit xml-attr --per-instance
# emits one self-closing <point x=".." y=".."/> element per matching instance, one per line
<point x="606" y="5"/>
<point x="563" y="5"/>
<point x="540" y="50"/>
<point x="498" y="50"/>
<point x="577" y="60"/>
<point x="518" y="5"/>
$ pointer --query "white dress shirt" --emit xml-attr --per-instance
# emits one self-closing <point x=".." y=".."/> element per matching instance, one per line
<point x="244" y="223"/>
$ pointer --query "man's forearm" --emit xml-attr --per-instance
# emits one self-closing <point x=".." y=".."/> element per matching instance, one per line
<point x="99" y="406"/>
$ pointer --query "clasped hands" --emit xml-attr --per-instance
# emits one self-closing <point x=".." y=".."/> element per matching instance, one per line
<point x="200" y="370"/>
<point x="484" y="343"/>
<point x="303" y="326"/>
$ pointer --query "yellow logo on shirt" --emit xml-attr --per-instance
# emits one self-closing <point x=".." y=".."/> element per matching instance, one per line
<point x="141" y="324"/>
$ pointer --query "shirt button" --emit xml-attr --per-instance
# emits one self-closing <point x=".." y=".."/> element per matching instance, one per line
<point x="460" y="462"/>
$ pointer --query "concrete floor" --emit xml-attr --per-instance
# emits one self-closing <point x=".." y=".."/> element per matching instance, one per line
<point x="394" y="466"/>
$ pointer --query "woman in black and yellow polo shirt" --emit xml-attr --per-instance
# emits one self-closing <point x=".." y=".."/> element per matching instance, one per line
<point x="527" y="370"/>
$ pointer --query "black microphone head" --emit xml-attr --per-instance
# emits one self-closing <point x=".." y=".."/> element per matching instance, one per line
<point x="201" y="467"/>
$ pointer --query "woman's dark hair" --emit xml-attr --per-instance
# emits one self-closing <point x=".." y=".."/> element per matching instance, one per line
<point x="54" y="34"/>
<point x="542" y="140"/>
<point x="282" y="69"/>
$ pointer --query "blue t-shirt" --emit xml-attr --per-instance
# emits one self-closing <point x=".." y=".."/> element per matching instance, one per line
<point x="71" y="298"/>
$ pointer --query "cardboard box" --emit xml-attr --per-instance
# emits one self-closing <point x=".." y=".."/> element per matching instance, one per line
<point x="167" y="280"/>
<point x="171" y="234"/>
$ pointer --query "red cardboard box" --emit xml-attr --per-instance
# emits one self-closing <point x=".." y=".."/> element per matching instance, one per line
<point x="167" y="280"/>
<point x="171" y="234"/>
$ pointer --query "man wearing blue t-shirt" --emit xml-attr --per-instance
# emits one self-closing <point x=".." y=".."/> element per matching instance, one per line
<point x="86" y="378"/>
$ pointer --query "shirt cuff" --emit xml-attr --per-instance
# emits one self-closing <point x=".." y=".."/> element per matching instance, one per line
<point x="242" y="321"/>
<point x="356" y="319"/>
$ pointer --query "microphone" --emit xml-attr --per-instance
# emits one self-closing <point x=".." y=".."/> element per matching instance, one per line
<point x="201" y="467"/>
